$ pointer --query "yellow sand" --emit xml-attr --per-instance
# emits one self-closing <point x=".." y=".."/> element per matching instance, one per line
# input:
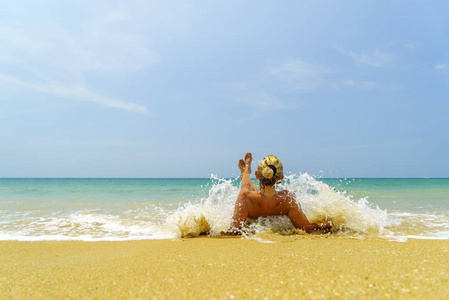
<point x="306" y="267"/>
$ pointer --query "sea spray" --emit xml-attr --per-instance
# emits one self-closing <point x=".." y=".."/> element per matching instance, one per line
<point x="95" y="210"/>
<point x="323" y="204"/>
<point x="320" y="203"/>
<point x="209" y="215"/>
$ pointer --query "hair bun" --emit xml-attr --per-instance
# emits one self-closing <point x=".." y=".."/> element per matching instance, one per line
<point x="267" y="172"/>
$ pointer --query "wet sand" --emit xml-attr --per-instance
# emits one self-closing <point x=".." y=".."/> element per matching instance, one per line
<point x="306" y="267"/>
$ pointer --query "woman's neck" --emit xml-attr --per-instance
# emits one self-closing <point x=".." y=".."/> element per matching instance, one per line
<point x="268" y="190"/>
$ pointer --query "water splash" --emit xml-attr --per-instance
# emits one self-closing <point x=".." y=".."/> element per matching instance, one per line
<point x="211" y="214"/>
<point x="320" y="203"/>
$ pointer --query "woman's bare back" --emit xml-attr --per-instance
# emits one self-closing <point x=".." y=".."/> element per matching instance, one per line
<point x="259" y="205"/>
<point x="267" y="202"/>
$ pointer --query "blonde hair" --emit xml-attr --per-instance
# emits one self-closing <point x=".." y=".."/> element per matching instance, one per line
<point x="270" y="170"/>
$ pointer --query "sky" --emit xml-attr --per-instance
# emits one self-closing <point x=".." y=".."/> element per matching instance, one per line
<point x="186" y="88"/>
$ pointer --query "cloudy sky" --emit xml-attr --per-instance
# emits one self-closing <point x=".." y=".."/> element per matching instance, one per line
<point x="186" y="88"/>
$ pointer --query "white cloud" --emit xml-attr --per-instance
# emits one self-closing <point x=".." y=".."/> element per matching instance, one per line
<point x="343" y="83"/>
<point x="78" y="92"/>
<point x="368" y="84"/>
<point x="410" y="46"/>
<point x="113" y="17"/>
<point x="260" y="104"/>
<point x="97" y="48"/>
<point x="106" y="45"/>
<point x="5" y="59"/>
<point x="376" y="58"/>
<point x="22" y="40"/>
<point x="266" y="102"/>
<point x="300" y="75"/>
<point x="283" y="86"/>
<point x="83" y="143"/>
<point x="440" y="66"/>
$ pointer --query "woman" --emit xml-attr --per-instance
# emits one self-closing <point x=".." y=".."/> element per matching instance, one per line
<point x="252" y="203"/>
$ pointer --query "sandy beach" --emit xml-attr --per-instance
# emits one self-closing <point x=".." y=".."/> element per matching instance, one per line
<point x="309" y="267"/>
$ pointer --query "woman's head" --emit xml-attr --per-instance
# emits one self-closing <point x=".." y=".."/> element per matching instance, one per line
<point x="269" y="171"/>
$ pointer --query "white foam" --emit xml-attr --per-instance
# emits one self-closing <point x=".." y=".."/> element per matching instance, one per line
<point x="349" y="217"/>
<point x="84" y="238"/>
<point x="216" y="210"/>
<point x="424" y="237"/>
<point x="319" y="202"/>
<point x="87" y="226"/>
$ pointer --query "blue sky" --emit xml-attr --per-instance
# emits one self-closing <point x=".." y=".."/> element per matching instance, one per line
<point x="186" y="88"/>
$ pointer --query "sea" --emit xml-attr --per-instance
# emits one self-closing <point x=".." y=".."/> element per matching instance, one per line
<point x="102" y="209"/>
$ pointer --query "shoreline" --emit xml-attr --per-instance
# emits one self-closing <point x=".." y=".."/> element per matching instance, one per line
<point x="226" y="267"/>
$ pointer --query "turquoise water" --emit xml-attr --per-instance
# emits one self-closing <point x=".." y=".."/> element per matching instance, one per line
<point x="123" y="209"/>
<point x="398" y="193"/>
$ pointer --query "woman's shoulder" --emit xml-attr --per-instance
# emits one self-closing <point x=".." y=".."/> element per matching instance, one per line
<point x="286" y="194"/>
